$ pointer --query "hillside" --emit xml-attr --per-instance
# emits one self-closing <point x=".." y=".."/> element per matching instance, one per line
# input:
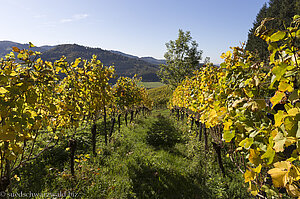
<point x="150" y="60"/>
<point x="153" y="61"/>
<point x="6" y="47"/>
<point x="125" y="65"/>
<point x="124" y="54"/>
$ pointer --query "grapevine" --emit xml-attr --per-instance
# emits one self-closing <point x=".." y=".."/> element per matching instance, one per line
<point x="254" y="108"/>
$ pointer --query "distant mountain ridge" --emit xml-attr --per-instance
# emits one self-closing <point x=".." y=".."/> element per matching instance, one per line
<point x="146" y="59"/>
<point x="6" y="47"/>
<point x="153" y="60"/>
<point x="124" y="54"/>
<point x="125" y="64"/>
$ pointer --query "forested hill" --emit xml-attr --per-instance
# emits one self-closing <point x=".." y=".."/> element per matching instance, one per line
<point x="6" y="47"/>
<point x="124" y="66"/>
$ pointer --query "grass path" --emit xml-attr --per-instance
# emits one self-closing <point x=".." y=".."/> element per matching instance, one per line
<point x="129" y="167"/>
<point x="139" y="170"/>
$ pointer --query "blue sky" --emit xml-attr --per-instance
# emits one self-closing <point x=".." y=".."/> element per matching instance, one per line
<point x="137" y="27"/>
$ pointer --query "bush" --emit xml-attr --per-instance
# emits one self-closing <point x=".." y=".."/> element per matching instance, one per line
<point x="162" y="133"/>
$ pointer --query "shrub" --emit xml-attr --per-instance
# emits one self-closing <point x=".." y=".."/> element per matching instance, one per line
<point x="162" y="133"/>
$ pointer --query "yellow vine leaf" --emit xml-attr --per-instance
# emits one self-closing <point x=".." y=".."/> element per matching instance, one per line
<point x="3" y="90"/>
<point x="248" y="92"/>
<point x="246" y="143"/>
<point x="293" y="190"/>
<point x="254" y="156"/>
<point x="283" y="86"/>
<point x="31" y="45"/>
<point x="289" y="123"/>
<point x="257" y="169"/>
<point x="279" y="118"/>
<point x="249" y="175"/>
<point x="269" y="155"/>
<point x="227" y="125"/>
<point x="290" y="140"/>
<point x="277" y="36"/>
<point x="17" y="178"/>
<point x="15" y="49"/>
<point x="228" y="135"/>
<point x="279" y="142"/>
<point x="293" y="112"/>
<point x="277" y="98"/>
<point x="13" y="73"/>
<point x="280" y="173"/>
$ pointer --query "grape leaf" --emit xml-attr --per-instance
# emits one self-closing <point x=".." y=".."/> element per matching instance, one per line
<point x="269" y="155"/>
<point x="280" y="173"/>
<point x="279" y="35"/>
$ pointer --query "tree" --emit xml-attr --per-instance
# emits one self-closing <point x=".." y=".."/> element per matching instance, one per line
<point x="255" y="43"/>
<point x="283" y="12"/>
<point x="207" y="60"/>
<point x="182" y="58"/>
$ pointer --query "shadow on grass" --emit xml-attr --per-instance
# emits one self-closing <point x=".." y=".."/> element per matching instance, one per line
<point x="175" y="152"/>
<point x="151" y="182"/>
<point x="41" y="172"/>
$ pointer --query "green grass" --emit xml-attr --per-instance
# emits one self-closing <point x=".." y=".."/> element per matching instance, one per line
<point x="131" y="168"/>
<point x="149" y="85"/>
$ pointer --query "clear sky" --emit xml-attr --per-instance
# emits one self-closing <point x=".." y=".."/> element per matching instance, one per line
<point x="137" y="27"/>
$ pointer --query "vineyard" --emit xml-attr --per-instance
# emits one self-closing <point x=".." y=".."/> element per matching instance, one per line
<point x="53" y="101"/>
<point x="251" y="110"/>
<point x="65" y="128"/>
